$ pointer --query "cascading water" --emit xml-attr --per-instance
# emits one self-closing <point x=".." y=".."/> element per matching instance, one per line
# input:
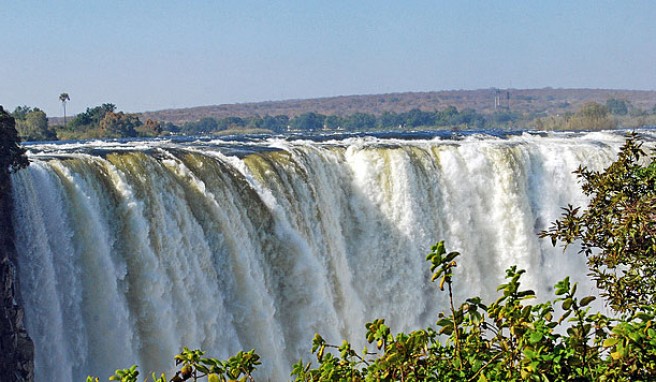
<point x="127" y="252"/>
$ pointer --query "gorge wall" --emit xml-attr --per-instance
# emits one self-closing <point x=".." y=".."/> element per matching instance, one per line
<point x="129" y="251"/>
<point x="16" y="347"/>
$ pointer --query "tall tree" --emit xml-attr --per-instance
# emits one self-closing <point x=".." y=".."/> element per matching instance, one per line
<point x="63" y="98"/>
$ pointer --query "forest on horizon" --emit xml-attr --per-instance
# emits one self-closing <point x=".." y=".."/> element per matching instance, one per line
<point x="500" y="109"/>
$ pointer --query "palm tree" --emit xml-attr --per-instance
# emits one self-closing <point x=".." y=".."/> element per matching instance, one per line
<point x="63" y="98"/>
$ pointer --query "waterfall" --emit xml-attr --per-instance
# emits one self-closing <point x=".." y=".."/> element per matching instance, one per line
<point x="130" y="251"/>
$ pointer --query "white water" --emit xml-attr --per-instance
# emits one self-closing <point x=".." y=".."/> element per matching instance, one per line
<point x="126" y="257"/>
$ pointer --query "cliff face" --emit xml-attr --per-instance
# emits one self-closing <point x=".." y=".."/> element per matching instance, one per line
<point x="16" y="347"/>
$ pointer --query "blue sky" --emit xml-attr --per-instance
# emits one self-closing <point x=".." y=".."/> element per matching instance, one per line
<point x="151" y="55"/>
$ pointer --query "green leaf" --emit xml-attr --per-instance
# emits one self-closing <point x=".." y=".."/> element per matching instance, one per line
<point x="587" y="300"/>
<point x="567" y="304"/>
<point x="535" y="337"/>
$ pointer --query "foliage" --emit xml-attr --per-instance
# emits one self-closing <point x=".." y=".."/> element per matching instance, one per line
<point x="617" y="231"/>
<point x="277" y="124"/>
<point x="193" y="367"/>
<point x="388" y="120"/>
<point x="416" y="118"/>
<point x="12" y="155"/>
<point x="230" y="123"/>
<point x="307" y="121"/>
<point x="505" y="117"/>
<point x="450" y="118"/>
<point x="617" y="106"/>
<point x="32" y="124"/>
<point x="592" y="116"/>
<point x="542" y="109"/>
<point x="202" y="126"/>
<point x="119" y="125"/>
<point x="105" y="122"/>
<point x="430" y="113"/>
<point x="359" y="121"/>
<point x="91" y="117"/>
<point x="505" y="340"/>
<point x="151" y="128"/>
<point x="20" y="112"/>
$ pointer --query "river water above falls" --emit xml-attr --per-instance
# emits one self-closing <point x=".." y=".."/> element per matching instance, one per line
<point x="129" y="251"/>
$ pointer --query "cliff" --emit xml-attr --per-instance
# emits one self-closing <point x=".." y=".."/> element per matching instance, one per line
<point x="16" y="347"/>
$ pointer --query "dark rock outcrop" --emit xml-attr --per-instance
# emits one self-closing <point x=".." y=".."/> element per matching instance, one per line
<point x="16" y="347"/>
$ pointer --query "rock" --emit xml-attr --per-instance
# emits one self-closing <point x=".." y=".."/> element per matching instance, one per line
<point x="16" y="347"/>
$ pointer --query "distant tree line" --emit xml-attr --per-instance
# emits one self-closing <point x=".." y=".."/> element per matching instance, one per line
<point x="591" y="116"/>
<point x="105" y="121"/>
<point x="449" y="118"/>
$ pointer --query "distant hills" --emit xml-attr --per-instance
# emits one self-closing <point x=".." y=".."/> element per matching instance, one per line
<point x="537" y="102"/>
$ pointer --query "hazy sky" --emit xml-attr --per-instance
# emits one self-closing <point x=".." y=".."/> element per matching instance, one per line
<point x="149" y="55"/>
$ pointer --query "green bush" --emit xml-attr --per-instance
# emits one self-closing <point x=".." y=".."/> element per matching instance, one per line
<point x="617" y="231"/>
<point x="193" y="366"/>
